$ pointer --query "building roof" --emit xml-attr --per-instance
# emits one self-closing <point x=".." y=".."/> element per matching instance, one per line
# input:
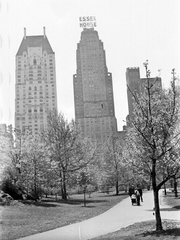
<point x="35" y="41"/>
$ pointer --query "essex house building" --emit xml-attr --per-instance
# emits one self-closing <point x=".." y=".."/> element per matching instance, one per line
<point x="35" y="87"/>
<point x="93" y="89"/>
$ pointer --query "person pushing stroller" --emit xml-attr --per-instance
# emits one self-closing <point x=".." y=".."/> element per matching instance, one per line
<point x="138" y="196"/>
<point x="135" y="196"/>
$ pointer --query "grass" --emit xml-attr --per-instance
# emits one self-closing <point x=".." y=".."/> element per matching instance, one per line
<point x="145" y="231"/>
<point x="26" y="218"/>
<point x="171" y="200"/>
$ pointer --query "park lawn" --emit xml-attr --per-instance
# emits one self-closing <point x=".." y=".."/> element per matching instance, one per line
<point x="170" y="199"/>
<point x="26" y="218"/>
<point x="145" y="231"/>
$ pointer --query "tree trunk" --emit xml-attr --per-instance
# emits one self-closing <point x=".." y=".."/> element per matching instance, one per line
<point x="165" y="189"/>
<point x="156" y="199"/>
<point x="175" y="188"/>
<point x="84" y="196"/>
<point x="117" y="187"/>
<point x="35" y="181"/>
<point x="157" y="210"/>
<point x="61" y="185"/>
<point x="63" y="190"/>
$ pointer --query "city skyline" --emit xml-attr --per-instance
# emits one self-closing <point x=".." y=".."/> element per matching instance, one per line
<point x="132" y="32"/>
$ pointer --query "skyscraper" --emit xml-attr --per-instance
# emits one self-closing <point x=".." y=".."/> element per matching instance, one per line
<point x="93" y="89"/>
<point x="136" y="84"/>
<point x="133" y="84"/>
<point x="35" y="89"/>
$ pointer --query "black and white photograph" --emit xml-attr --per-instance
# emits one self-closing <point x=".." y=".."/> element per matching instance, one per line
<point x="89" y="119"/>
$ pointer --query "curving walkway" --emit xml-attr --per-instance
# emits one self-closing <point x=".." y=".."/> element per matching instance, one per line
<point x="121" y="215"/>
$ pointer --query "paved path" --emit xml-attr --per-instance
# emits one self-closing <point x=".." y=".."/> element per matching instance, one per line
<point x="121" y="215"/>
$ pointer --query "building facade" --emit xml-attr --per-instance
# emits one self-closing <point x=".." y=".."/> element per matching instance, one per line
<point x="93" y="89"/>
<point x="35" y="88"/>
<point x="137" y="84"/>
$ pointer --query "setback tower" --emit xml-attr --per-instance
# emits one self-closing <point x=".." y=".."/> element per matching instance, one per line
<point x="93" y="89"/>
<point x="35" y="88"/>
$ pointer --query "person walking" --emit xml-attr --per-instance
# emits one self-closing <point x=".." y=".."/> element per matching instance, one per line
<point x="137" y="197"/>
<point x="131" y="191"/>
<point x="141" y="193"/>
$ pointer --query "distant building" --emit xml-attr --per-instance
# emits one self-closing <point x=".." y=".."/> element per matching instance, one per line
<point x="136" y="84"/>
<point x="133" y="84"/>
<point x="35" y="83"/>
<point x="93" y="89"/>
<point x="6" y="131"/>
<point x="3" y="128"/>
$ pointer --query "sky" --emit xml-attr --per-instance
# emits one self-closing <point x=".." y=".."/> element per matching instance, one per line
<point x="132" y="32"/>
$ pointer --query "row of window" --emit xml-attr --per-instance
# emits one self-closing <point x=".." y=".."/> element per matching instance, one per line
<point x="39" y="74"/>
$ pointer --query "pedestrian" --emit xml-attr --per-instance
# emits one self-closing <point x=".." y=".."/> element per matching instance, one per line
<point x="131" y="191"/>
<point x="141" y="193"/>
<point x="137" y="197"/>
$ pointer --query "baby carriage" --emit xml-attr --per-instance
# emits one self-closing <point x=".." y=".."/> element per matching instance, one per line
<point x="133" y="199"/>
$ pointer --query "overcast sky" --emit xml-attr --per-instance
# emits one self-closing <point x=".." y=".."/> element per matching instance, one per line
<point x="131" y="30"/>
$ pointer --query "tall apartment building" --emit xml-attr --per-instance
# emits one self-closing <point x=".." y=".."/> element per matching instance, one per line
<point x="93" y="89"/>
<point x="35" y="89"/>
<point x="136" y="84"/>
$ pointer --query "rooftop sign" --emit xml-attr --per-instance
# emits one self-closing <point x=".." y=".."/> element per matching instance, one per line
<point x="87" y="22"/>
